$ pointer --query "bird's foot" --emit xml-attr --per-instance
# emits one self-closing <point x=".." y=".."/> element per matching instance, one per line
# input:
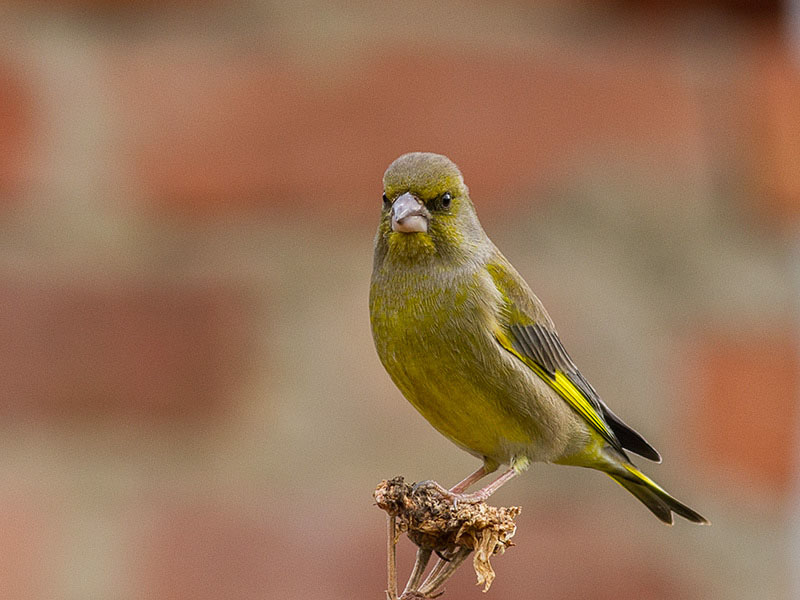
<point x="455" y="495"/>
<point x="455" y="498"/>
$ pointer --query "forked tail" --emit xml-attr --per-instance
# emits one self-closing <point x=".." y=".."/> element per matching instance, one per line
<point x="654" y="497"/>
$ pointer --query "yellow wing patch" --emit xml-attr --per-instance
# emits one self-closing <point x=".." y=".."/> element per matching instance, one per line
<point x="564" y="388"/>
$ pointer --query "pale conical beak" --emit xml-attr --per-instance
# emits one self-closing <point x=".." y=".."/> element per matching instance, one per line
<point x="409" y="215"/>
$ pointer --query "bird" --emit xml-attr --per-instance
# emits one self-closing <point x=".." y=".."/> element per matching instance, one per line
<point x="473" y="349"/>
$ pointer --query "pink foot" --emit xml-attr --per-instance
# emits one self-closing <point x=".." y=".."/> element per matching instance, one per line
<point x="453" y="497"/>
<point x="475" y="497"/>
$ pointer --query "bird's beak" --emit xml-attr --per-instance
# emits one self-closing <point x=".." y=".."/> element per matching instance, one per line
<point x="409" y="215"/>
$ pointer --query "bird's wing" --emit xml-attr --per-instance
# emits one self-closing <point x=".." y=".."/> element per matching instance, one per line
<point x="527" y="332"/>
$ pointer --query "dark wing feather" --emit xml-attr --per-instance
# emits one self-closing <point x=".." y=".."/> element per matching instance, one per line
<point x="542" y="345"/>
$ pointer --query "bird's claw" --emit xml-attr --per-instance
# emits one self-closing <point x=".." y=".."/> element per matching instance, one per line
<point x="452" y="497"/>
<point x="430" y="484"/>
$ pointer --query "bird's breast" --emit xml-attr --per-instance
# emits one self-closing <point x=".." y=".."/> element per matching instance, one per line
<point x="435" y="339"/>
<point x="419" y="315"/>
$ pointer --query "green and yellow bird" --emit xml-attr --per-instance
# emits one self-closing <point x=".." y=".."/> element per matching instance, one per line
<point x="472" y="348"/>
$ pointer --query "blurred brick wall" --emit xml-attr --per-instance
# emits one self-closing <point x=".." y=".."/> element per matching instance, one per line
<point x="191" y="406"/>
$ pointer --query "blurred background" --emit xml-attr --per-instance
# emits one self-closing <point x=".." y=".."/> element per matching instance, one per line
<point x="190" y="403"/>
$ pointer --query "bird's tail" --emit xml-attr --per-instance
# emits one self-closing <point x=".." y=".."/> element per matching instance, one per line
<point x="653" y="496"/>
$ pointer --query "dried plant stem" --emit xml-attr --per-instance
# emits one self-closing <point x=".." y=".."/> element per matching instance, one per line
<point x="436" y="579"/>
<point x="434" y="524"/>
<point x="423" y="557"/>
<point x="391" y="557"/>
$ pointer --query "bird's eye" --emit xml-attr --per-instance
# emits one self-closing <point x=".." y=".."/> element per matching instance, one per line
<point x="446" y="200"/>
<point x="386" y="203"/>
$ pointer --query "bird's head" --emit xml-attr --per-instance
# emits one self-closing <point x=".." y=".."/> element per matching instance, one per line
<point x="426" y="209"/>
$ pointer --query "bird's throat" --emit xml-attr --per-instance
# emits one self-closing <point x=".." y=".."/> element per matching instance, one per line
<point x="410" y="246"/>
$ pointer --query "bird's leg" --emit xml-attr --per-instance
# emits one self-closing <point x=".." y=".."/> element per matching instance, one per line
<point x="475" y="497"/>
<point x="469" y="480"/>
<point x="482" y="494"/>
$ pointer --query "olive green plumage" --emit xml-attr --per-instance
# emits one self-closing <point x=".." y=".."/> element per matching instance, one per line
<point x="473" y="349"/>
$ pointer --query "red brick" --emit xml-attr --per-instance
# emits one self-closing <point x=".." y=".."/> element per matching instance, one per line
<point x="26" y="571"/>
<point x="134" y="349"/>
<point x="742" y="420"/>
<point x="775" y="91"/>
<point x="228" y="549"/>
<point x="210" y="552"/>
<point x="106" y="7"/>
<point x="751" y="9"/>
<point x="545" y="562"/>
<point x="17" y="127"/>
<point x="221" y="132"/>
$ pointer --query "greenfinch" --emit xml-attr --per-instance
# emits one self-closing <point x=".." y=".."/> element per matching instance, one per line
<point x="473" y="349"/>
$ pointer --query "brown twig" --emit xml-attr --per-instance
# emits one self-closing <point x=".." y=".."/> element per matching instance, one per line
<point x="439" y="575"/>
<point x="414" y="580"/>
<point x="391" y="557"/>
<point x="434" y="524"/>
